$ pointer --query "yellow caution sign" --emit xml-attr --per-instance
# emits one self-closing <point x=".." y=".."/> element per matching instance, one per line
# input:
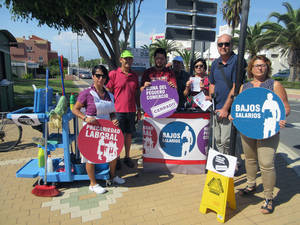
<point x="218" y="190"/>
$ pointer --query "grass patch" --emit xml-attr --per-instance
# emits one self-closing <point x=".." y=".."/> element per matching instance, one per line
<point x="293" y="85"/>
<point x="24" y="93"/>
<point x="285" y="83"/>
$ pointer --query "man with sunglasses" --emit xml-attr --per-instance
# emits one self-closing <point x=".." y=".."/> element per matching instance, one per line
<point x="222" y="79"/>
<point x="123" y="83"/>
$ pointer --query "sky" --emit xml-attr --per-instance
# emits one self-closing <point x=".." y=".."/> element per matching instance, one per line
<point x="150" y="21"/>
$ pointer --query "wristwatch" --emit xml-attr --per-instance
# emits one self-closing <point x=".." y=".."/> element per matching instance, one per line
<point x="84" y="118"/>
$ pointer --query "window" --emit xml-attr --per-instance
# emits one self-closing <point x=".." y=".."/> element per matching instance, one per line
<point x="29" y="48"/>
<point x="41" y="59"/>
<point x="29" y="58"/>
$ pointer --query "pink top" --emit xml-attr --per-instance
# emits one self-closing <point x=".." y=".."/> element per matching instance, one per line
<point x="124" y="87"/>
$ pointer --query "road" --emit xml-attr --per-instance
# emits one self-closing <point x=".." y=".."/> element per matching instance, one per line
<point x="290" y="136"/>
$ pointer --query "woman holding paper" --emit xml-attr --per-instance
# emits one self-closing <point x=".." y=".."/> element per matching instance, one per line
<point x="198" y="82"/>
<point x="262" y="152"/>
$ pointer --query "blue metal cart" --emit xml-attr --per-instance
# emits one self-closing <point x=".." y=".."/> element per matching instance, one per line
<point x="64" y="170"/>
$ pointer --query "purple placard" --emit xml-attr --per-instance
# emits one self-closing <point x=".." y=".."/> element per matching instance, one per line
<point x="159" y="100"/>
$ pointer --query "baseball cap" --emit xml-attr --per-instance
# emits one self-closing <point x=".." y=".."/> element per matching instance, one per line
<point x="126" y="53"/>
<point x="178" y="58"/>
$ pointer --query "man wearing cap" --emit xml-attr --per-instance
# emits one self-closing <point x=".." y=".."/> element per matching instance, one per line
<point x="123" y="83"/>
<point x="181" y="78"/>
<point x="159" y="71"/>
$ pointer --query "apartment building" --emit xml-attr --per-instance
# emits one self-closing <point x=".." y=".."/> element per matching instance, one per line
<point x="30" y="54"/>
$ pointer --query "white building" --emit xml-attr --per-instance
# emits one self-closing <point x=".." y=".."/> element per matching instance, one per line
<point x="278" y="63"/>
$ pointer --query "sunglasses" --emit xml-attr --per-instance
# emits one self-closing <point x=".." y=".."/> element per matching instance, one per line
<point x="260" y="65"/>
<point x="98" y="75"/>
<point x="220" y="45"/>
<point x="199" y="66"/>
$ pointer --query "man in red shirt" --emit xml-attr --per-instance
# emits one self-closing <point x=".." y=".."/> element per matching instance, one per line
<point x="159" y="71"/>
<point x="123" y="83"/>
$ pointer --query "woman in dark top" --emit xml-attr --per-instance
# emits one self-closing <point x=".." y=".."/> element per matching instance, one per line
<point x="200" y="68"/>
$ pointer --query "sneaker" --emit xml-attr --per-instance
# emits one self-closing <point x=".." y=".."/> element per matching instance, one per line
<point x="118" y="180"/>
<point x="97" y="189"/>
<point x="118" y="166"/>
<point x="140" y="161"/>
<point x="128" y="162"/>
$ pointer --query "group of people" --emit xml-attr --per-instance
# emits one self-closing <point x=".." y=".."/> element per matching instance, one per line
<point x="115" y="96"/>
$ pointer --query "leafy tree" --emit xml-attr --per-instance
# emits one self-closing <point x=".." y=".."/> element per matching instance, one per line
<point x="81" y="60"/>
<point x="285" y="34"/>
<point x="187" y="56"/>
<point x="54" y="66"/>
<point x="231" y="10"/>
<point x="90" y="63"/>
<point x="103" y="20"/>
<point x="54" y="62"/>
<point x="253" y="43"/>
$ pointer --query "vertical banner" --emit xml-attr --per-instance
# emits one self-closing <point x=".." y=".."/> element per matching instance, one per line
<point x="178" y="143"/>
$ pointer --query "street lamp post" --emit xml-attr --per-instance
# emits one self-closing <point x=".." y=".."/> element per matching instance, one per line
<point x="78" y="56"/>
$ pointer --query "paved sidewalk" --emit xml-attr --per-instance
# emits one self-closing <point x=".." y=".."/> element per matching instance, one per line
<point x="293" y="94"/>
<point x="145" y="198"/>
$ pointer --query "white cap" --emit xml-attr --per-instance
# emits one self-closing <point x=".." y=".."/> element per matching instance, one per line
<point x="178" y="58"/>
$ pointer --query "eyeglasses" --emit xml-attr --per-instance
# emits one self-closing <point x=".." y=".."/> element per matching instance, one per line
<point x="199" y="66"/>
<point x="220" y="45"/>
<point x="260" y="65"/>
<point x="98" y="75"/>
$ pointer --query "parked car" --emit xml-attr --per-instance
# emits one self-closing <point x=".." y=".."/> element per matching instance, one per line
<point x="282" y="74"/>
<point x="85" y="75"/>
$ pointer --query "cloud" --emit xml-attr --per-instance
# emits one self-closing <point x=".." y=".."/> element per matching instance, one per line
<point x="144" y="38"/>
<point x="65" y="43"/>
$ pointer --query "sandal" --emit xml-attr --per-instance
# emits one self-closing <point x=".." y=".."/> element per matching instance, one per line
<point x="247" y="191"/>
<point x="267" y="208"/>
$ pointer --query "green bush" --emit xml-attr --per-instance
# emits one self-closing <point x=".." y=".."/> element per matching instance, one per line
<point x="28" y="76"/>
<point x="293" y="85"/>
<point x="280" y="78"/>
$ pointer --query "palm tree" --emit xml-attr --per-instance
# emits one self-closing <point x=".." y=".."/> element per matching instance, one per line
<point x="187" y="55"/>
<point x="169" y="46"/>
<point x="231" y="11"/>
<point x="151" y="52"/>
<point x="253" y="44"/>
<point x="285" y="34"/>
<point x="123" y="45"/>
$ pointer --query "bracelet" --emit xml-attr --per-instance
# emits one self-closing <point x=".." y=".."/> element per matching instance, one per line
<point x="84" y="118"/>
